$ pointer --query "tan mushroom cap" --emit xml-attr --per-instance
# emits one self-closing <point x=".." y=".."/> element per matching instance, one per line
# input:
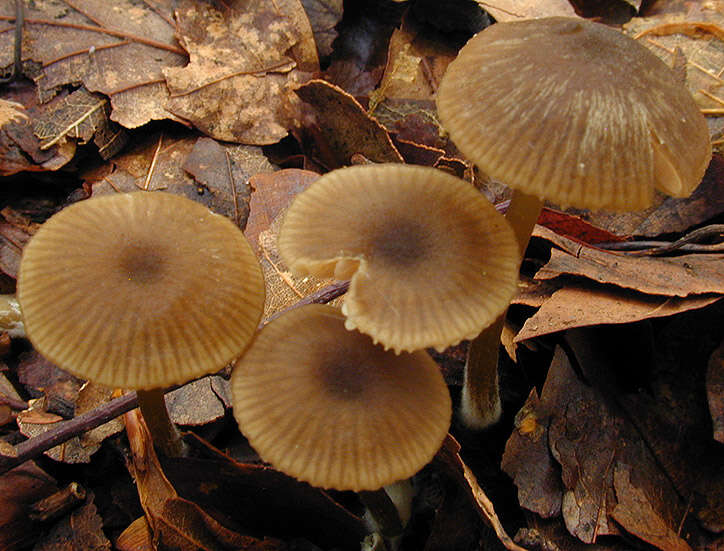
<point x="574" y="112"/>
<point x="327" y="406"/>
<point x="140" y="290"/>
<point x="430" y="259"/>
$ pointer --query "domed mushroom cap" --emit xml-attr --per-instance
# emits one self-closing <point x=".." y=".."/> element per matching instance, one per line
<point x="140" y="290"/>
<point x="574" y="112"/>
<point x="430" y="259"/>
<point x="327" y="406"/>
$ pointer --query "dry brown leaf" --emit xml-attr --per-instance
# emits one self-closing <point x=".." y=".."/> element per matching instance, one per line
<point x="584" y="438"/>
<point x="528" y="460"/>
<point x="81" y="530"/>
<point x="163" y="161"/>
<point x="596" y="444"/>
<point x="234" y="87"/>
<point x="12" y="241"/>
<point x="581" y="304"/>
<point x="339" y="127"/>
<point x="136" y="537"/>
<point x="199" y="402"/>
<point x="105" y="47"/>
<point x="81" y="116"/>
<point x="513" y="10"/>
<point x="224" y="171"/>
<point x="636" y="515"/>
<point x="175" y="522"/>
<point x="698" y="35"/>
<point x="653" y="379"/>
<point x="255" y="497"/>
<point x="271" y="194"/>
<point x="415" y="66"/>
<point x="679" y="276"/>
<point x="450" y="462"/>
<point x="323" y="16"/>
<point x="404" y="101"/>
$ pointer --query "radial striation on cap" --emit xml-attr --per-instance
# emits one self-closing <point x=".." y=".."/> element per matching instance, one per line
<point x="327" y="406"/>
<point x="574" y="112"/>
<point x="431" y="261"/>
<point x="140" y="290"/>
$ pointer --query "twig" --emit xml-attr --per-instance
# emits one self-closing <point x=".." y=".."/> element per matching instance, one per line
<point x="68" y="429"/>
<point x="12" y="402"/>
<point x="652" y="248"/>
<point x="35" y="446"/>
<point x="103" y="30"/>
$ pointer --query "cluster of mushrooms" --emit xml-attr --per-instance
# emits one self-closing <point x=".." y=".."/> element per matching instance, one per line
<point x="147" y="290"/>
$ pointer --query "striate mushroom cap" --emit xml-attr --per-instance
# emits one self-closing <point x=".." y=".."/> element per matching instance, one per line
<point x="431" y="261"/>
<point x="327" y="406"/>
<point x="574" y="112"/>
<point x="140" y="290"/>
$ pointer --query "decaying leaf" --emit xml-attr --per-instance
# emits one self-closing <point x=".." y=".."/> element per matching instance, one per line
<point x="107" y="48"/>
<point x="583" y="304"/>
<point x="12" y="241"/>
<point x="81" y="116"/>
<point x="679" y="276"/>
<point x="78" y="449"/>
<point x="513" y="10"/>
<point x="323" y="16"/>
<point x="608" y="471"/>
<point x="167" y="161"/>
<point x="585" y="439"/>
<point x="234" y="86"/>
<point x="529" y="461"/>
<point x="273" y="192"/>
<point x="175" y="522"/>
<point x="695" y="36"/>
<point x="81" y="530"/>
<point x="449" y="460"/>
<point x="255" y="497"/>
<point x="635" y="513"/>
<point x="339" y="127"/>
<point x="225" y="171"/>
<point x="199" y="402"/>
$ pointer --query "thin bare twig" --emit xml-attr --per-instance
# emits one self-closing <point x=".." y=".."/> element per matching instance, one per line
<point x="686" y="243"/>
<point x="102" y="30"/>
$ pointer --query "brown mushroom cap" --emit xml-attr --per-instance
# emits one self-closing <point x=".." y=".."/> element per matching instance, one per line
<point x="327" y="406"/>
<point x="140" y="290"/>
<point x="574" y="112"/>
<point x="431" y="260"/>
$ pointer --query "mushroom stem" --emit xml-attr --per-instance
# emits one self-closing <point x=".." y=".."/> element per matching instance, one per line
<point x="480" y="404"/>
<point x="166" y="437"/>
<point x="522" y="214"/>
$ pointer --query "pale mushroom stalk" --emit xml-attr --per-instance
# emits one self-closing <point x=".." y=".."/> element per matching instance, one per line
<point x="164" y="433"/>
<point x="480" y="402"/>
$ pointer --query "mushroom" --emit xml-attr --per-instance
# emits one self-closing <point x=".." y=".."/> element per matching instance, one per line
<point x="574" y="112"/>
<point x="140" y="290"/>
<point x="431" y="261"/>
<point x="328" y="406"/>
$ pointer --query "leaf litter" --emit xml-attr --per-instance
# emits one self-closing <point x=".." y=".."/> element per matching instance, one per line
<point x="585" y="459"/>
